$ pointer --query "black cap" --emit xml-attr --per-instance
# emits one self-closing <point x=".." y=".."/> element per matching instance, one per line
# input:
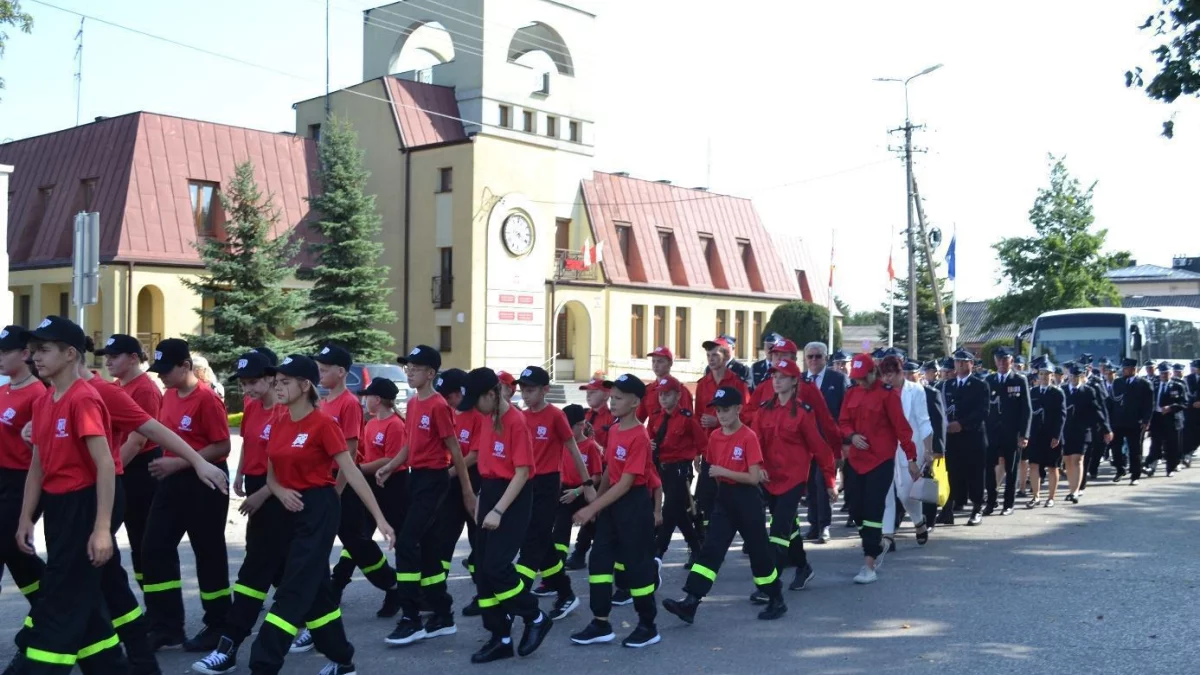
<point x="628" y="384"/>
<point x="168" y="354"/>
<point x="1043" y="363"/>
<point x="422" y="355"/>
<point x="333" y="355"/>
<point x="534" y="376"/>
<point x="298" y="365"/>
<point x="726" y="397"/>
<point x="1001" y="353"/>
<point x="479" y="382"/>
<point x="1104" y="361"/>
<point x="963" y="355"/>
<point x="1019" y="360"/>
<point x="1129" y="363"/>
<point x="58" y="329"/>
<point x="911" y="366"/>
<point x="575" y="414"/>
<point x="839" y="355"/>
<point x="947" y="364"/>
<point x="119" y="343"/>
<point x="1084" y="359"/>
<point x="772" y="338"/>
<point x="930" y="365"/>
<point x="13" y="337"/>
<point x="1177" y="366"/>
<point x="1149" y="362"/>
<point x="878" y="354"/>
<point x="1164" y="368"/>
<point x="383" y="388"/>
<point x="1058" y="370"/>
<point x="1196" y="363"/>
<point x="894" y="351"/>
<point x="271" y="356"/>
<point x="451" y="381"/>
<point x="1077" y="369"/>
<point x="251" y="365"/>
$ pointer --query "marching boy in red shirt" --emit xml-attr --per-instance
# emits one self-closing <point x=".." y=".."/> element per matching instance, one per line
<point x="17" y="399"/>
<point x="676" y="440"/>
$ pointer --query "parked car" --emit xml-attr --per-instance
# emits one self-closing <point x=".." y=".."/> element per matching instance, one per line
<point x="361" y="374"/>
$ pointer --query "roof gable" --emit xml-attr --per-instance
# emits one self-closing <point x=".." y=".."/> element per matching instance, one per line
<point x="427" y="114"/>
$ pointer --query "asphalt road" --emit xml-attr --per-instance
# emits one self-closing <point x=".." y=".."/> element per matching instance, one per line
<point x="1108" y="586"/>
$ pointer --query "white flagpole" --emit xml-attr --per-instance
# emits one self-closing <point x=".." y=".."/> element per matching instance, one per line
<point x="891" y="290"/>
<point x="832" y="347"/>
<point x="954" y="289"/>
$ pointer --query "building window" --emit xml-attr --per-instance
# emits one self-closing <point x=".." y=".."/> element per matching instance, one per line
<point x="87" y="189"/>
<point x="527" y="121"/>
<point x="667" y="240"/>
<point x="24" y="308"/>
<point x="445" y="179"/>
<point x="708" y="245"/>
<point x="575" y="132"/>
<point x="722" y="322"/>
<point x="660" y="326"/>
<point x="444" y="339"/>
<point x="739" y="332"/>
<point x="552" y="126"/>
<point x="506" y="117"/>
<point x="682" y="339"/>
<point x="563" y="344"/>
<point x="760" y="318"/>
<point x="749" y="265"/>
<point x="624" y="234"/>
<point x="637" y="335"/>
<point x="443" y="284"/>
<point x="562" y="234"/>
<point x="314" y="132"/>
<point x="203" y="208"/>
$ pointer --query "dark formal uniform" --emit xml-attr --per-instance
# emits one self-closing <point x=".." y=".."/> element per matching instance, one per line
<point x="1049" y="417"/>
<point x="1133" y="403"/>
<point x="1095" y="450"/>
<point x="966" y="450"/>
<point x="760" y="372"/>
<point x="1165" y="427"/>
<point x="1191" y="416"/>
<point x="1009" y="411"/>
<point x="937" y="419"/>
<point x="1085" y="419"/>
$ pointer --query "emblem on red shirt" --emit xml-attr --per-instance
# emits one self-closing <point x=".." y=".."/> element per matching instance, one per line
<point x="8" y="416"/>
<point x="185" y="424"/>
<point x="498" y="449"/>
<point x="464" y="435"/>
<point x="425" y="422"/>
<point x="299" y="440"/>
<point x="379" y="438"/>
<point x="61" y="428"/>
<point x="266" y="433"/>
<point x="541" y="432"/>
<point x="738" y="453"/>
<point x="620" y="454"/>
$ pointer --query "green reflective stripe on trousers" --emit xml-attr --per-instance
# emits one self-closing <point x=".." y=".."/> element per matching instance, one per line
<point x="214" y="594"/>
<point x="435" y="579"/>
<point x="345" y="554"/>
<point x="600" y="579"/>
<point x="769" y="579"/>
<point x="332" y="616"/>
<point x="376" y="566"/>
<point x="563" y="547"/>
<point x="471" y="568"/>
<point x="703" y="571"/>
<point x="501" y="597"/>
<point x="127" y="617"/>
<point x="780" y="541"/>
<point x="95" y="648"/>
<point x="29" y="622"/>
<point x="138" y="576"/>
<point x="558" y="566"/>
<point x="795" y="533"/>
<point x="644" y="590"/>
<point x="446" y="565"/>
<point x="620" y="567"/>
<point x="525" y="572"/>
<point x="164" y="586"/>
<point x="249" y="592"/>
<point x="50" y="657"/>
<point x="485" y="603"/>
<point x="275" y="620"/>
<point x="408" y="577"/>
<point x="31" y="588"/>
<point x="872" y="523"/>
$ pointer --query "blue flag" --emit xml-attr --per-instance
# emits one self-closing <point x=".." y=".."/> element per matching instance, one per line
<point x="950" y="257"/>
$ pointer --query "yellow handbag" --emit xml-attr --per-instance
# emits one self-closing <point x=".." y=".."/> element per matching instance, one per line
<point x="943" y="481"/>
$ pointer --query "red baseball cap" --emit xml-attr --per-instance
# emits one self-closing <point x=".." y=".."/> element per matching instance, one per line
<point x="861" y="365"/>
<point x="663" y="352"/>
<point x="668" y="383"/>
<point x="594" y="385"/>
<point x="788" y="368"/>
<point x="507" y="378"/>
<point x="785" y="345"/>
<point x="719" y="342"/>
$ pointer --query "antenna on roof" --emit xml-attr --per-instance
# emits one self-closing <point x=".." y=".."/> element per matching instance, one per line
<point x="708" y="163"/>
<point x="78" y="70"/>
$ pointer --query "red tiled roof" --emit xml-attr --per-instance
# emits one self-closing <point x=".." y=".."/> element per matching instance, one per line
<point x="427" y="114"/>
<point x="143" y="162"/>
<point x="648" y="207"/>
<point x="794" y="255"/>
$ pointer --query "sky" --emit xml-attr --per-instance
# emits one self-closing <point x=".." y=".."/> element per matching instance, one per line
<point x="779" y="94"/>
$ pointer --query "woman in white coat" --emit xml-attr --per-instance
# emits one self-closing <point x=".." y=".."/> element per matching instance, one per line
<point x="916" y="411"/>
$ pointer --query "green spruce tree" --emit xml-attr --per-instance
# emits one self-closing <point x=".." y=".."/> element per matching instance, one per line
<point x="929" y="339"/>
<point x="349" y="299"/>
<point x="244" y="275"/>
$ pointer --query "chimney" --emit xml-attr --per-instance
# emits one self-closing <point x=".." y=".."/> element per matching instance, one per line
<point x="622" y="174"/>
<point x="700" y="189"/>
<point x="663" y="181"/>
<point x="1189" y="263"/>
<point x="101" y="118"/>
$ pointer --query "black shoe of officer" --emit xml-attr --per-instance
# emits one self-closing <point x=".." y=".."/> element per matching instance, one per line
<point x="472" y="608"/>
<point x="775" y="609"/>
<point x="1119" y="475"/>
<point x="946" y="517"/>
<point x="494" y="650"/>
<point x="391" y="604"/>
<point x="166" y="640"/>
<point x="576" y="561"/>
<point x="205" y="641"/>
<point x="759" y="597"/>
<point x="803" y="576"/>
<point x="685" y="609"/>
<point x="535" y="632"/>
<point x="989" y="509"/>
<point x="975" y="519"/>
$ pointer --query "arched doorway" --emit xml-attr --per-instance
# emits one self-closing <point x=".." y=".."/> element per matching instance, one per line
<point x="150" y="316"/>
<point x="572" y="342"/>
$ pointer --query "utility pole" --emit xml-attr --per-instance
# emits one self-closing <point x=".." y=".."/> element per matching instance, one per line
<point x="943" y="329"/>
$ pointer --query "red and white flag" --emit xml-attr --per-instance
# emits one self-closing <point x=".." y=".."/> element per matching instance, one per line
<point x="592" y="254"/>
<point x="891" y="270"/>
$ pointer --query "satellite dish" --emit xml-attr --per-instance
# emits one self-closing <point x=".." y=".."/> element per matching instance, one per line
<point x="935" y="237"/>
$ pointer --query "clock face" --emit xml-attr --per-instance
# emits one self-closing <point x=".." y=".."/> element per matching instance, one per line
<point x="517" y="233"/>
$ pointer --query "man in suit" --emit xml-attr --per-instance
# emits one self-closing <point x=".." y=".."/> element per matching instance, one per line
<point x="1170" y="400"/>
<point x="832" y="385"/>
<point x="1099" y="380"/>
<point x="1007" y="430"/>
<point x="760" y="371"/>
<point x="1191" y="417"/>
<point x="1133" y="403"/>
<point x="966" y="438"/>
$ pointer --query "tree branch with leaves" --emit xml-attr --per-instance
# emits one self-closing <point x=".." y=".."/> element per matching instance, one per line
<point x="1178" y="58"/>
<point x="11" y="15"/>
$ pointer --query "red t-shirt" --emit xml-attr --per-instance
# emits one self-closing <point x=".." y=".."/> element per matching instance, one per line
<point x="148" y="397"/>
<point x="60" y="432"/>
<point x="199" y="418"/>
<point x="124" y="414"/>
<point x="501" y="452"/>
<point x="346" y="410"/>
<point x="737" y="451"/>
<point x="430" y="422"/>
<point x="591" y="459"/>
<point x="469" y="424"/>
<point x="706" y="390"/>
<point x="790" y="442"/>
<point x="628" y="453"/>
<point x="601" y="420"/>
<point x="383" y="438"/>
<point x="550" y="432"/>
<point x="653" y="480"/>
<point x="300" y="451"/>
<point x="16" y="409"/>
<point x="257" y="423"/>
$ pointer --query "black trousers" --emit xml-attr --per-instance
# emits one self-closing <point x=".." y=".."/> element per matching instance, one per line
<point x="737" y="509"/>
<point x="966" y="453"/>
<point x="140" y="487"/>
<point x="1191" y="431"/>
<point x="706" y="494"/>
<point x="26" y="570"/>
<point x="356" y="531"/>
<point x="418" y="545"/>
<point x="1132" y="436"/>
<point x="305" y="596"/>
<point x="784" y="533"/>
<point x="867" y="495"/>
<point x="502" y="592"/>
<point x="453" y="517"/>
<point x="268" y="534"/>
<point x="184" y="505"/>
<point x="820" y="511"/>
<point x="70" y="624"/>
<point x="676" y="495"/>
<point x="1092" y="456"/>
<point x="625" y="533"/>
<point x="1164" y="443"/>
<point x="537" y="551"/>
<point x="1002" y="445"/>
<point x="585" y="536"/>
<point x="563" y="515"/>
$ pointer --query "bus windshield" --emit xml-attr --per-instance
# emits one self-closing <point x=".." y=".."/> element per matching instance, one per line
<point x="1066" y="337"/>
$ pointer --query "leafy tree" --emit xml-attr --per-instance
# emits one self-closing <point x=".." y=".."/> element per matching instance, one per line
<point x="1063" y="265"/>
<point x="244" y="275"/>
<point x="803" y="322"/>
<point x="1178" y="24"/>
<point x="348" y="301"/>
<point x="841" y="306"/>
<point x="11" y="15"/>
<point x="864" y="318"/>
<point x="929" y="339"/>
<point x="988" y="352"/>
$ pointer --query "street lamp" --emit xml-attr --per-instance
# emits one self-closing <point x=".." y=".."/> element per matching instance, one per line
<point x="912" y="257"/>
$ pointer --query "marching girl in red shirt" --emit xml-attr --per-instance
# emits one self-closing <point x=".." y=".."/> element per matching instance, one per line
<point x="454" y="515"/>
<point x="502" y="513"/>
<point x="17" y="399"/>
<point x="572" y="497"/>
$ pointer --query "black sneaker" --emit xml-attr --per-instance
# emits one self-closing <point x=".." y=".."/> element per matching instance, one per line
<point x="391" y="604"/>
<point x="759" y="598"/>
<point x="408" y="631"/>
<point x="221" y="660"/>
<point x="803" y="576"/>
<point x="494" y="650"/>
<point x="813" y="534"/>
<point x="303" y="642"/>
<point x="685" y="609"/>
<point x="472" y="608"/>
<point x="576" y="561"/>
<point x="976" y="518"/>
<point x="205" y="641"/>
<point x="332" y="668"/>
<point x="563" y="607"/>
<point x="642" y="636"/>
<point x="989" y="509"/>
<point x="437" y="626"/>
<point x="594" y="633"/>
<point x="776" y="608"/>
<point x="544" y="591"/>
<point x="535" y="633"/>
<point x="621" y="597"/>
<point x="165" y="640"/>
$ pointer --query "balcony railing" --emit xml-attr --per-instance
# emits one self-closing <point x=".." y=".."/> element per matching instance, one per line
<point x="443" y="292"/>
<point x="569" y="266"/>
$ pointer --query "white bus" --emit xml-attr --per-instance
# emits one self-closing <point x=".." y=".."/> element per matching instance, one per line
<point x="1170" y="334"/>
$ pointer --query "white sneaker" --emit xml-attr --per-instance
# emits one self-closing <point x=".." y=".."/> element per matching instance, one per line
<point x="866" y="576"/>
